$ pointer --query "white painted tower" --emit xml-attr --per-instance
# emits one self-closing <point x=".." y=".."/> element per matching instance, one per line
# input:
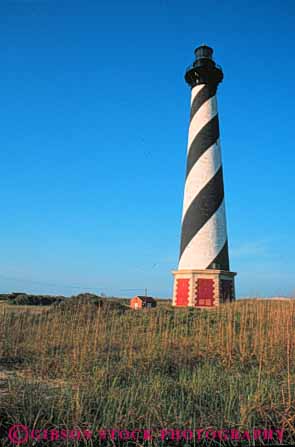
<point x="203" y="278"/>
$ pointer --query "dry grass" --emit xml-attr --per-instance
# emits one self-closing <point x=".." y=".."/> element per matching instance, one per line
<point x="232" y="367"/>
<point x="4" y="306"/>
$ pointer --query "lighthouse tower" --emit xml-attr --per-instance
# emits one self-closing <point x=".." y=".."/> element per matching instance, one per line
<point x="203" y="278"/>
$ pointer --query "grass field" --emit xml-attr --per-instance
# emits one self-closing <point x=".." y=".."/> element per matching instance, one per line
<point x="110" y="367"/>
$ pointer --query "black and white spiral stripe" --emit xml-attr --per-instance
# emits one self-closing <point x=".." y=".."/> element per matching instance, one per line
<point x="203" y="235"/>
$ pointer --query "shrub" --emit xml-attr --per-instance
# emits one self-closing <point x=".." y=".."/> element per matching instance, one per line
<point x="23" y="299"/>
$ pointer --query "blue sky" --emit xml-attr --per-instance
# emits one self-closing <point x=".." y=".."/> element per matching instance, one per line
<point x="94" y="120"/>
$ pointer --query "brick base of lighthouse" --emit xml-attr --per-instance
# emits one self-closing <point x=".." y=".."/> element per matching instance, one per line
<point x="203" y="288"/>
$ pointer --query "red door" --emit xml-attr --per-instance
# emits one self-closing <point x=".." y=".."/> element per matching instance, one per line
<point x="182" y="291"/>
<point x="205" y="292"/>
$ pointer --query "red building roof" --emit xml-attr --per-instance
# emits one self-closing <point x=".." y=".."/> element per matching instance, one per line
<point x="147" y="299"/>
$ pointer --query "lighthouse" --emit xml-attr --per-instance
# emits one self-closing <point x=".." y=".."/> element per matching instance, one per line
<point x="203" y="278"/>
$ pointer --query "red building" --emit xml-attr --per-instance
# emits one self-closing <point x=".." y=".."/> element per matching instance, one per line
<point x="203" y="289"/>
<point x="142" y="302"/>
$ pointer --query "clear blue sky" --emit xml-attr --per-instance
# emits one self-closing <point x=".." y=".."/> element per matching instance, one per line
<point x="94" y="121"/>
